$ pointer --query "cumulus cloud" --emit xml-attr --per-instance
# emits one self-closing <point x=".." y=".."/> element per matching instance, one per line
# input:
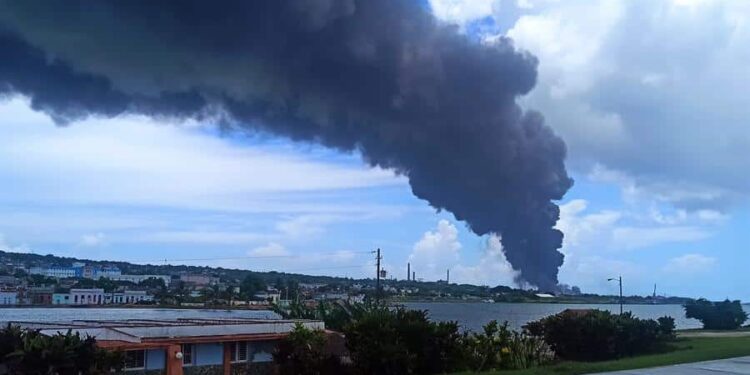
<point x="436" y="251"/>
<point x="272" y="249"/>
<point x="135" y="161"/>
<point x="601" y="243"/>
<point x="440" y="249"/>
<point x="651" y="90"/>
<point x="492" y="268"/>
<point x="6" y="246"/>
<point x="92" y="240"/>
<point x="461" y="11"/>
<point x="690" y="264"/>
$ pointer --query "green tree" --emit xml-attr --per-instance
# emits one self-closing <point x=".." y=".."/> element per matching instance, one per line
<point x="251" y="285"/>
<point x="724" y="315"/>
<point x="302" y="352"/>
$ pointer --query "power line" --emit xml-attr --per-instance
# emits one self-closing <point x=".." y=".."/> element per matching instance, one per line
<point x="165" y="260"/>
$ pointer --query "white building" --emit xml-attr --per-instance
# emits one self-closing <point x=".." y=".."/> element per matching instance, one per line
<point x="129" y="297"/>
<point x="8" y="298"/>
<point x="139" y="278"/>
<point x="59" y="272"/>
<point x="87" y="296"/>
<point x="109" y="272"/>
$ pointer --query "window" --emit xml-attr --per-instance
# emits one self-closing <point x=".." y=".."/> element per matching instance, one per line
<point x="135" y="359"/>
<point x="187" y="354"/>
<point x="238" y="351"/>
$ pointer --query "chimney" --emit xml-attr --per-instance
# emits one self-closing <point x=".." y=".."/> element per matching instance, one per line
<point x="408" y="271"/>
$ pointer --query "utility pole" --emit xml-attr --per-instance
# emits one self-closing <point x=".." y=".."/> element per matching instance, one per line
<point x="619" y="280"/>
<point x="377" y="283"/>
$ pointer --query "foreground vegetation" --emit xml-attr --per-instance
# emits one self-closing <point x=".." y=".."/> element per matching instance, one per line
<point x="383" y="340"/>
<point x="684" y="350"/>
<point x="28" y="352"/>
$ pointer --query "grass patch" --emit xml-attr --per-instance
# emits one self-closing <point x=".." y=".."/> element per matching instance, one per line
<point x="685" y="350"/>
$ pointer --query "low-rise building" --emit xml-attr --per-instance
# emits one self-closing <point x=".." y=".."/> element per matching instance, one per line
<point x="93" y="296"/>
<point x="185" y="346"/>
<point x="39" y="295"/>
<point x="129" y="297"/>
<point x="8" y="297"/>
<point x="136" y="279"/>
<point x="54" y="271"/>
<point x="61" y="299"/>
<point x="8" y="280"/>
<point x="200" y="280"/>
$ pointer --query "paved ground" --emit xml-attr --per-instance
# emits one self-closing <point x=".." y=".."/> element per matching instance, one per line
<point x="739" y="365"/>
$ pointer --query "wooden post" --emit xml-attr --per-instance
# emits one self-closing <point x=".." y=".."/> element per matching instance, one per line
<point x="174" y="364"/>
<point x="227" y="358"/>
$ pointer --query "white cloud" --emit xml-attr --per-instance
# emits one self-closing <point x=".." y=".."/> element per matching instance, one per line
<point x="690" y="264"/>
<point x="92" y="240"/>
<point x="199" y="237"/>
<point x="135" y="161"/>
<point x="5" y="246"/>
<point x="631" y="86"/>
<point x="436" y="251"/>
<point x="601" y="244"/>
<point x="272" y="249"/>
<point x="461" y="11"/>
<point x="439" y="250"/>
<point x="629" y="238"/>
<point x="493" y="268"/>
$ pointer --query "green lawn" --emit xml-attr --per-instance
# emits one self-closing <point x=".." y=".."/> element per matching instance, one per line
<point x="686" y="350"/>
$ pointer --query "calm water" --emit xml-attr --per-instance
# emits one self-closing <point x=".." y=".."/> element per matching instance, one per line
<point x="473" y="316"/>
<point x="67" y="314"/>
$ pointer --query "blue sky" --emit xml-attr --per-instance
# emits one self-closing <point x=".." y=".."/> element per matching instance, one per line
<point x="649" y="96"/>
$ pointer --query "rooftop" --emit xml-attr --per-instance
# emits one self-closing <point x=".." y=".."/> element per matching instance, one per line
<point x="148" y="332"/>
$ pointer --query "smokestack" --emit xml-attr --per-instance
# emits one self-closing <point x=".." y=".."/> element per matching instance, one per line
<point x="448" y="276"/>
<point x="408" y="271"/>
<point x="383" y="78"/>
<point x="413" y="276"/>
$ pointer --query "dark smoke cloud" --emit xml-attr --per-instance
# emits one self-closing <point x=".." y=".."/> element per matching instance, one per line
<point x="383" y="78"/>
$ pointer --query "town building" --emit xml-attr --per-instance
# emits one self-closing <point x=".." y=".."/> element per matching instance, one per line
<point x="137" y="279"/>
<point x="87" y="296"/>
<point x="99" y="297"/>
<point x="185" y="346"/>
<point x="61" y="299"/>
<point x="129" y="297"/>
<point x="8" y="281"/>
<point x="54" y="271"/>
<point x="39" y="295"/>
<point x="199" y="280"/>
<point x="8" y="297"/>
<point x="77" y="270"/>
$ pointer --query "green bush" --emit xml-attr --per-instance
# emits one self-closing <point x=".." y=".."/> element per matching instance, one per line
<point x="302" y="352"/>
<point x="498" y="347"/>
<point x="724" y="315"/>
<point x="28" y="352"/>
<point x="599" y="335"/>
<point x="400" y="341"/>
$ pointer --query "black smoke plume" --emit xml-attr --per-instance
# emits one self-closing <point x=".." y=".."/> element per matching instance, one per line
<point x="379" y="77"/>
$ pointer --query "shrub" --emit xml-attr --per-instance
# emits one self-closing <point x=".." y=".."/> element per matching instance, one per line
<point x="599" y="335"/>
<point x="400" y="341"/>
<point x="716" y="315"/>
<point x="498" y="347"/>
<point x="302" y="352"/>
<point x="28" y="352"/>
